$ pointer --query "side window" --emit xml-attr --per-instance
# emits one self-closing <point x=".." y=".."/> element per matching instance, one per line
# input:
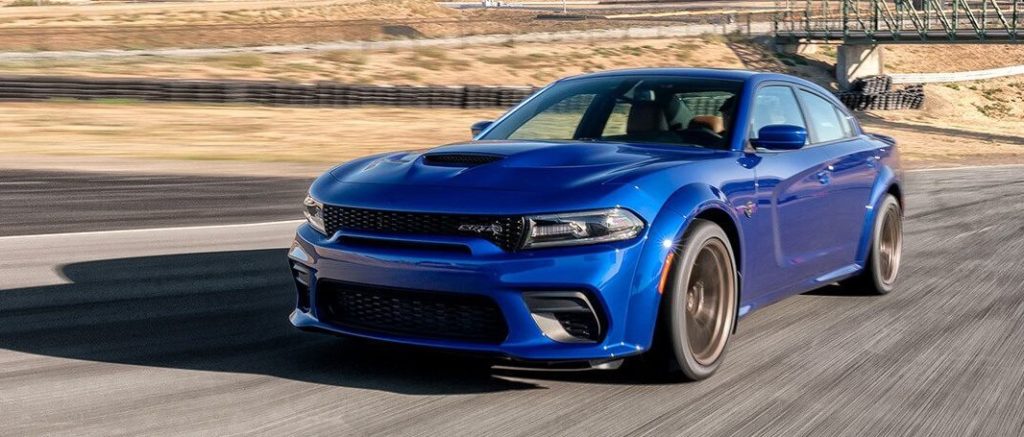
<point x="616" y="124"/>
<point x="827" y="126"/>
<point x="775" y="105"/>
<point x="845" y="123"/>
<point x="556" y="122"/>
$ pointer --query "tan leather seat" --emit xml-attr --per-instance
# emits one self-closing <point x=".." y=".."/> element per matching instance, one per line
<point x="645" y="117"/>
<point x="711" y="122"/>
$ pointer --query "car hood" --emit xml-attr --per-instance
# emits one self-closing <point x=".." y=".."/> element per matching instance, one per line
<point x="513" y="165"/>
<point x="502" y="176"/>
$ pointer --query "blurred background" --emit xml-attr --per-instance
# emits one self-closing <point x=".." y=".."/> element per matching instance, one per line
<point x="177" y="68"/>
<point x="154" y="156"/>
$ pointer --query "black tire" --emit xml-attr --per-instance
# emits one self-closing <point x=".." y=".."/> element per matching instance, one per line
<point x="698" y="311"/>
<point x="882" y="268"/>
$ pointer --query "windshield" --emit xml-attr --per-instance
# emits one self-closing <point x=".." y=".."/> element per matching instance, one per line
<point x="639" y="109"/>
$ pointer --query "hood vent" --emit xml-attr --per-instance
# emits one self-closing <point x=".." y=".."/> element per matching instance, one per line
<point x="460" y="159"/>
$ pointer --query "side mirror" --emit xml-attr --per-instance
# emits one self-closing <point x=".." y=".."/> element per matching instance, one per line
<point x="480" y="126"/>
<point x="780" y="137"/>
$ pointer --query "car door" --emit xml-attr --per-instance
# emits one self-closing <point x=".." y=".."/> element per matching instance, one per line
<point x="792" y="188"/>
<point x="852" y="172"/>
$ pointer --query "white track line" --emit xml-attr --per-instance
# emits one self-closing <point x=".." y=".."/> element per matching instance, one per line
<point x="297" y="222"/>
<point x="966" y="167"/>
<point x="138" y="231"/>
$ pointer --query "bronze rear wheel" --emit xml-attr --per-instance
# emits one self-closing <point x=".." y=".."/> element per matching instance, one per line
<point x="886" y="251"/>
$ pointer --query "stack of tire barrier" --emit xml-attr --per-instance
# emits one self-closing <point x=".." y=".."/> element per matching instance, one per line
<point x="259" y="92"/>
<point x="871" y="93"/>
<point x="875" y="93"/>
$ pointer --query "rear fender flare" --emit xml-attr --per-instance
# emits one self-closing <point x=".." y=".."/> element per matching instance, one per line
<point x="885" y="180"/>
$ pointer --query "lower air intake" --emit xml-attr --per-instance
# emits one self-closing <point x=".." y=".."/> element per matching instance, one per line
<point x="411" y="313"/>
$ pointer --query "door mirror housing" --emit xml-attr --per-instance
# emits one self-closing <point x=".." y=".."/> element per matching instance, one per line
<point x="780" y="137"/>
<point x="480" y="126"/>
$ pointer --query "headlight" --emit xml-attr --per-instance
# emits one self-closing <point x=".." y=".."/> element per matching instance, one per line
<point x="577" y="228"/>
<point x="314" y="212"/>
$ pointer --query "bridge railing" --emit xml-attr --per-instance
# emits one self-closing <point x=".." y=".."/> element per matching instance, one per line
<point x="900" y="21"/>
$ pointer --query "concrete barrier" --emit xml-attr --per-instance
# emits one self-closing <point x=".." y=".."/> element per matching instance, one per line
<point x="963" y="76"/>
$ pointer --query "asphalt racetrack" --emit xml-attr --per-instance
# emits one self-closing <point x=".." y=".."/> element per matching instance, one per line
<point x="183" y="330"/>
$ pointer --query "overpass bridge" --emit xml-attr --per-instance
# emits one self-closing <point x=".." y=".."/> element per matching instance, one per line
<point x="860" y="26"/>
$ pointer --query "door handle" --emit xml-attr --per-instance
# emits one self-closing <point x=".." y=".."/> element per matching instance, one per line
<point x="825" y="176"/>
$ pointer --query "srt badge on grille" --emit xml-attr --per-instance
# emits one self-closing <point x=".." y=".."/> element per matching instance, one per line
<point x="493" y="229"/>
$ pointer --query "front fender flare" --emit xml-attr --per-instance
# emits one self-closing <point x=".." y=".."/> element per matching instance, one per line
<point x="665" y="233"/>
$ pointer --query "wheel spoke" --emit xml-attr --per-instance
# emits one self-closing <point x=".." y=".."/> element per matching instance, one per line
<point x="890" y="244"/>
<point x="711" y="287"/>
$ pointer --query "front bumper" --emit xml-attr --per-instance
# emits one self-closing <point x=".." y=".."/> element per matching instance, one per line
<point x="605" y="273"/>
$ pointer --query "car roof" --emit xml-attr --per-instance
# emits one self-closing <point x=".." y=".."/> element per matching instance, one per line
<point x="706" y="73"/>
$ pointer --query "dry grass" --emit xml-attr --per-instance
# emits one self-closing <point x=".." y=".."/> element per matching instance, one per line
<point x="521" y="64"/>
<point x="195" y="25"/>
<point x="241" y="133"/>
<point x="971" y="123"/>
<point x="211" y="132"/>
<point x="943" y="58"/>
<point x="961" y="123"/>
<point x="17" y="3"/>
<point x="200" y="13"/>
<point x="938" y="58"/>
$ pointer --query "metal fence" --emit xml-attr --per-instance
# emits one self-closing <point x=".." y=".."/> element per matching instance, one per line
<point x="259" y="92"/>
<point x="901" y="21"/>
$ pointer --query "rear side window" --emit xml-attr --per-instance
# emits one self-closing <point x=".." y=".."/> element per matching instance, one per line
<point x="775" y="105"/>
<point x="844" y="122"/>
<point x="825" y="121"/>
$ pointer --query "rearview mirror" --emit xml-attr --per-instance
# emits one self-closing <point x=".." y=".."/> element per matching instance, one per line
<point x="780" y="137"/>
<point x="479" y="127"/>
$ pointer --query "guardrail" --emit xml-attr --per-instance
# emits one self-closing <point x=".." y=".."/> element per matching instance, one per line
<point x="652" y="32"/>
<point x="873" y="93"/>
<point x="259" y="92"/>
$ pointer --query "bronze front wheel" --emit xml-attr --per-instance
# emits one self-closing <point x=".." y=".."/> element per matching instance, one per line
<point x="701" y="304"/>
<point x="710" y="290"/>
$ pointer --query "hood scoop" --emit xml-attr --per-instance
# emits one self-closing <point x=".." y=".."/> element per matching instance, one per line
<point x="460" y="159"/>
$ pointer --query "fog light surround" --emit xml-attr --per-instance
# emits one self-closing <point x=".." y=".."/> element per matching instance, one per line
<point x="565" y="316"/>
<point x="303" y="277"/>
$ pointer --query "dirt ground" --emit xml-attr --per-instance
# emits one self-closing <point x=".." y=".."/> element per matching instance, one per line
<point x="317" y="135"/>
<point x="967" y="123"/>
<point x="938" y="58"/>
<point x="516" y="64"/>
<point x="223" y="132"/>
<point x="265" y="23"/>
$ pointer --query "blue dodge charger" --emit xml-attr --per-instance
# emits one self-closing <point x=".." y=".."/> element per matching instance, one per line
<point x="636" y="214"/>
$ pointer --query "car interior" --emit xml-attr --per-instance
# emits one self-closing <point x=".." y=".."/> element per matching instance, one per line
<point x="662" y="116"/>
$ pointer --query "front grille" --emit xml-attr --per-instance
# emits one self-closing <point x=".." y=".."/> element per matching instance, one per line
<point x="411" y="313"/>
<point x="506" y="232"/>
